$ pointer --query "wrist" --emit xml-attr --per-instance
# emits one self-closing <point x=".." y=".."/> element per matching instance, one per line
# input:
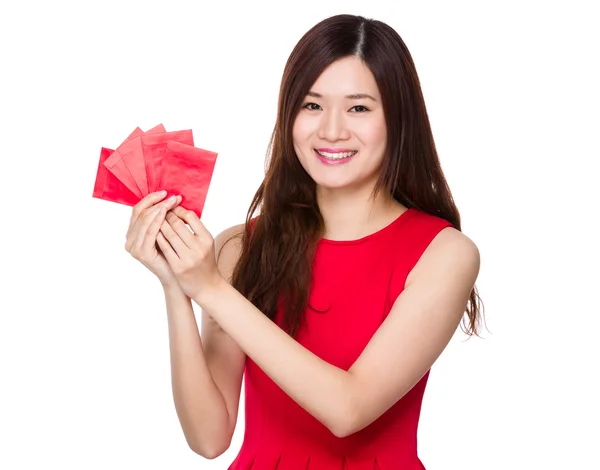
<point x="172" y="287"/>
<point x="210" y="290"/>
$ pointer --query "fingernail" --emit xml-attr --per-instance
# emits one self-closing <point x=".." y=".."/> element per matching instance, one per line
<point x="162" y="193"/>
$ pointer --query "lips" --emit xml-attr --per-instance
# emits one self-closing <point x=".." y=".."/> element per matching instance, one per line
<point x="335" y="150"/>
<point x="335" y="158"/>
<point x="335" y="154"/>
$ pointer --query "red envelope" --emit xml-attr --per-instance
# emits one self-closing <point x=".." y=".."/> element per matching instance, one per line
<point x="107" y="186"/>
<point x="187" y="171"/>
<point x="157" y="129"/>
<point x="128" y="165"/>
<point x="153" y="148"/>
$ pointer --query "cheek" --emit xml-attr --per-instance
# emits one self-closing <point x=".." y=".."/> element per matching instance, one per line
<point x="377" y="131"/>
<point x="300" y="130"/>
<point x="298" y="138"/>
<point x="376" y="136"/>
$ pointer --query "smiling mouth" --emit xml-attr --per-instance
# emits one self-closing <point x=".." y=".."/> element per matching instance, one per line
<point x="337" y="155"/>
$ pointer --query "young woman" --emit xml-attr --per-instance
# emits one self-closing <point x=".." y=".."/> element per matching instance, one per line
<point x="335" y="301"/>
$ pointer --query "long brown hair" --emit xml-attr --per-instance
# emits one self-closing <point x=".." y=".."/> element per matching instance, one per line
<point x="275" y="265"/>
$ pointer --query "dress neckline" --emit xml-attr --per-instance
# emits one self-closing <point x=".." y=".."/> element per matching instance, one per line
<point x="401" y="218"/>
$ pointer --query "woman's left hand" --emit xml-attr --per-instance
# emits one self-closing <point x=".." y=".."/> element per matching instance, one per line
<point x="191" y="256"/>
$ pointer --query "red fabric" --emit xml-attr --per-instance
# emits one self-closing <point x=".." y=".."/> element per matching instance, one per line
<point x="358" y="282"/>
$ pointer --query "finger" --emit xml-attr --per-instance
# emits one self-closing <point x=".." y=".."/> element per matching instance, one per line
<point x="141" y="208"/>
<point x="179" y="226"/>
<point x="144" y="204"/>
<point x="141" y="238"/>
<point x="154" y="228"/>
<point x="168" y="203"/>
<point x="167" y="250"/>
<point x="139" y="231"/>
<point x="174" y="239"/>
<point x="190" y="218"/>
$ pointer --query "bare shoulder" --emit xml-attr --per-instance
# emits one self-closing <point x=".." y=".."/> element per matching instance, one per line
<point x="228" y="246"/>
<point x="451" y="239"/>
<point x="450" y="252"/>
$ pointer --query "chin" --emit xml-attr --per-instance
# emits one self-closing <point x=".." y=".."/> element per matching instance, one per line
<point x="328" y="183"/>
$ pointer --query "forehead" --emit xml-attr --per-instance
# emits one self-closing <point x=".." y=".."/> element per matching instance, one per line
<point x="346" y="76"/>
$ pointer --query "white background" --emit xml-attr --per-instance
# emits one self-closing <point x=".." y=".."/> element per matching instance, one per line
<point x="512" y="94"/>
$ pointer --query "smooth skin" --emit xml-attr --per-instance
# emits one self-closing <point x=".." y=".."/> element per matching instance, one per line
<point x="146" y="219"/>
<point x="224" y="359"/>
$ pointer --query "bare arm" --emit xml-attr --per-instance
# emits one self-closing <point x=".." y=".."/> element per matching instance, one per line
<point x="206" y="373"/>
<point x="420" y="324"/>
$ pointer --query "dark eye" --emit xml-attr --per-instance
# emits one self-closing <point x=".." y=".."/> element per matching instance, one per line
<point x="309" y="106"/>
<point x="362" y="110"/>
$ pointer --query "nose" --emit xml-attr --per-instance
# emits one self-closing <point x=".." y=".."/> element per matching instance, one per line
<point x="333" y="126"/>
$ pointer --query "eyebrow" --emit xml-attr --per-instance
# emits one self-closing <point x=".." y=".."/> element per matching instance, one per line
<point x="355" y="96"/>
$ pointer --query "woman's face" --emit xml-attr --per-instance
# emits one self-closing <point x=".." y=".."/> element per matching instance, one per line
<point x="340" y="132"/>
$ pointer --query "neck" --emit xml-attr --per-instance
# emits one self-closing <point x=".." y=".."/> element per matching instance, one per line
<point x="353" y="215"/>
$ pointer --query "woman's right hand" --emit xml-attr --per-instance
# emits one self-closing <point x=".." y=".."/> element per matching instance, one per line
<point x="146" y="219"/>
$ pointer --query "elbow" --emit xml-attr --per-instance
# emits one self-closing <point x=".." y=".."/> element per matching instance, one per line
<point x="344" y="426"/>
<point x="213" y="455"/>
<point x="208" y="452"/>
<point x="346" y="417"/>
<point x="340" y="433"/>
<point x="341" y="430"/>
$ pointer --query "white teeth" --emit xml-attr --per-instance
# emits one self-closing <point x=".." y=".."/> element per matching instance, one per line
<point x="337" y="156"/>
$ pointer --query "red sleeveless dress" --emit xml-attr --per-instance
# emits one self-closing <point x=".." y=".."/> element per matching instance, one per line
<point x="356" y="282"/>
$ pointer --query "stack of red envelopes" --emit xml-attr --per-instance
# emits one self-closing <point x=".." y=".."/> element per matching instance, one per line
<point x="152" y="161"/>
